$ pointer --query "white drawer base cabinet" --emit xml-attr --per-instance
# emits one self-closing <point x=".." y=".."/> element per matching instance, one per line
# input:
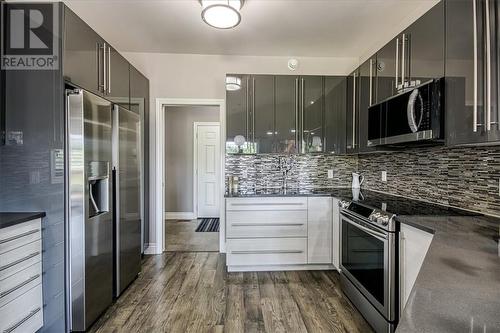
<point x="21" y="305"/>
<point x="279" y="233"/>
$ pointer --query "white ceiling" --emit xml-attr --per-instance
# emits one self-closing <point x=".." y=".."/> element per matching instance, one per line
<point x="316" y="28"/>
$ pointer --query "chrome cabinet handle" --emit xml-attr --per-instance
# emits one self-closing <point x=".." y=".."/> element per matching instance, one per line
<point x="32" y="255"/>
<point x="397" y="62"/>
<point x="247" y="100"/>
<point x="488" y="67"/>
<point x="22" y="321"/>
<point x="403" y="61"/>
<point x="27" y="233"/>
<point x="354" y="111"/>
<point x="98" y="54"/>
<point x="268" y="204"/>
<point x="302" y="145"/>
<point x="109" y="69"/>
<point x="297" y="114"/>
<point x="104" y="71"/>
<point x="371" y="82"/>
<point x="253" y="113"/>
<point x="22" y="284"/>
<point x="474" y="117"/>
<point x="267" y="252"/>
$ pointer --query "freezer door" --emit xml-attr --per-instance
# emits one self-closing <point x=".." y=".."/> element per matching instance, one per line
<point x="90" y="222"/>
<point x="126" y="146"/>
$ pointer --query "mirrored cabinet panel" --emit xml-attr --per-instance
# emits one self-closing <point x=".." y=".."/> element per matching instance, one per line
<point x="335" y="114"/>
<point x="312" y="114"/>
<point x="239" y="124"/>
<point x="263" y="113"/>
<point x="286" y="112"/>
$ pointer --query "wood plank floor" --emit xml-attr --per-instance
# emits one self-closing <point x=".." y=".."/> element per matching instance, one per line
<point x="192" y="292"/>
<point x="180" y="235"/>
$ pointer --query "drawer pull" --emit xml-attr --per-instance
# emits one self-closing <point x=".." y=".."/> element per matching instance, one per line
<point x="19" y="261"/>
<point x="22" y="284"/>
<point x="268" y="204"/>
<point x="267" y="252"/>
<point x="27" y="233"/>
<point x="22" y="321"/>
<point x="266" y="224"/>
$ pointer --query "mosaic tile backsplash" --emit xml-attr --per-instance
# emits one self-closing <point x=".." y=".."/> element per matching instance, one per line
<point x="461" y="177"/>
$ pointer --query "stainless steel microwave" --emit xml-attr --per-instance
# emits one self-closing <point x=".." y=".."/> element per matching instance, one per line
<point x="412" y="117"/>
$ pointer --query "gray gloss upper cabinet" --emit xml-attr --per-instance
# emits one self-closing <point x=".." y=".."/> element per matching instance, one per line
<point x="286" y="114"/>
<point x="312" y="111"/>
<point x="425" y="47"/>
<point x="238" y="113"/>
<point x="386" y="70"/>
<point x="83" y="54"/>
<point x="466" y="73"/>
<point x="335" y="114"/>
<point x="118" y="79"/>
<point x="352" y="113"/>
<point x="263" y="112"/>
<point x="367" y="96"/>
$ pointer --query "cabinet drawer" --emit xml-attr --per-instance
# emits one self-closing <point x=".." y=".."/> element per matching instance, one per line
<point x="19" y="235"/>
<point x="246" y="224"/>
<point x="24" y="314"/>
<point x="267" y="251"/>
<point x="267" y="203"/>
<point x="17" y="284"/>
<point x="20" y="258"/>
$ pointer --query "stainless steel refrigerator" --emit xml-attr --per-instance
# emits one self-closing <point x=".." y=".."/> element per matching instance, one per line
<point x="127" y="194"/>
<point x="89" y="206"/>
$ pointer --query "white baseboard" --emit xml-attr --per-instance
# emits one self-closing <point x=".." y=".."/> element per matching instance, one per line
<point x="270" y="268"/>
<point x="151" y="249"/>
<point x="180" y="215"/>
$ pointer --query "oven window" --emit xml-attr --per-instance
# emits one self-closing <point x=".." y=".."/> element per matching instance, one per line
<point x="363" y="257"/>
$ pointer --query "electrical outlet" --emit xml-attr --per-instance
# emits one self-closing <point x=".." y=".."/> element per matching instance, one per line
<point x="384" y="176"/>
<point x="330" y="174"/>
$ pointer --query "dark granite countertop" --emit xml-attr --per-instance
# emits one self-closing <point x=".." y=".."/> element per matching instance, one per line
<point x="12" y="218"/>
<point x="458" y="287"/>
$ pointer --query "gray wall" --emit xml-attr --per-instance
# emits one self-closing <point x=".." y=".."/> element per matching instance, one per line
<point x="179" y="122"/>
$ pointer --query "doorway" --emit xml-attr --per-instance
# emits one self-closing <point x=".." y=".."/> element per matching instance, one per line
<point x="192" y="176"/>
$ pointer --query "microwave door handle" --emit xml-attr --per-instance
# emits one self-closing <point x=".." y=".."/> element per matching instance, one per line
<point x="380" y="236"/>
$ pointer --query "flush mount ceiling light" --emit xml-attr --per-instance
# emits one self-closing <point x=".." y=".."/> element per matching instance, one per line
<point x="221" y="14"/>
<point x="233" y="83"/>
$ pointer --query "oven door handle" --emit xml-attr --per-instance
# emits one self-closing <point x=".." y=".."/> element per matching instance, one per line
<point x="379" y="235"/>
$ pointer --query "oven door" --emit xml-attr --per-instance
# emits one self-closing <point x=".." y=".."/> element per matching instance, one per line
<point x="367" y="260"/>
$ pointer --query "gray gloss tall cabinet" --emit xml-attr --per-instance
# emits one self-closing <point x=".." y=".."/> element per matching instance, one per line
<point x="352" y="113"/>
<point x="367" y="96"/>
<point x="472" y="72"/>
<point x="312" y="111"/>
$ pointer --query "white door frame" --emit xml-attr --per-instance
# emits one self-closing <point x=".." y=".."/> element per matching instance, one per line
<point x="157" y="167"/>
<point x="195" y="161"/>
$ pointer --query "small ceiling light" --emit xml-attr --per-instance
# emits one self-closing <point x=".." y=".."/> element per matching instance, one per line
<point x="221" y="14"/>
<point x="233" y="83"/>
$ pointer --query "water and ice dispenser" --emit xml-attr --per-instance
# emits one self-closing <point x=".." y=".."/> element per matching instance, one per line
<point x="98" y="187"/>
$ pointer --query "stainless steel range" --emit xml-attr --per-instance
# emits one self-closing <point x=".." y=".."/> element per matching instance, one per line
<point x="369" y="262"/>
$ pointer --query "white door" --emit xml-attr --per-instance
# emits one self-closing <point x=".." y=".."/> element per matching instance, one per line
<point x="208" y="169"/>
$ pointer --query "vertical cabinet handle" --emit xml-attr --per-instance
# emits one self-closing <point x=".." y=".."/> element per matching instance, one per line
<point x="474" y="117"/>
<point x="488" y="67"/>
<point x="302" y="109"/>
<point x="105" y="71"/>
<point x="371" y="83"/>
<point x="403" y="61"/>
<point x="98" y="54"/>
<point x="297" y="114"/>
<point x="397" y="63"/>
<point x="248" y="110"/>
<point x="109" y="69"/>
<point x="354" y="111"/>
<point x="253" y="113"/>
